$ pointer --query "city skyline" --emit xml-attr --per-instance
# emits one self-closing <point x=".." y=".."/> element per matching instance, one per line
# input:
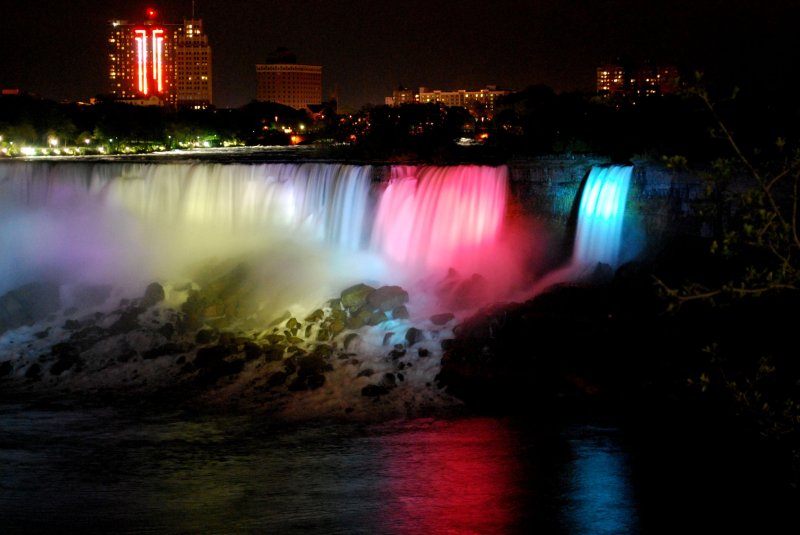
<point x="57" y="50"/>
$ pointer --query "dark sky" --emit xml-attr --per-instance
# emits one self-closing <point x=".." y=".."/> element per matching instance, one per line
<point x="57" y="48"/>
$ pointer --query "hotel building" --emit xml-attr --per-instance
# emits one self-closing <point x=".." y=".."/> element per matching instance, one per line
<point x="284" y="81"/>
<point x="480" y="102"/>
<point x="158" y="63"/>
<point x="644" y="80"/>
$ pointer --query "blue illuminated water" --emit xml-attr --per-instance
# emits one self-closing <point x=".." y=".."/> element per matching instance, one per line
<point x="601" y="214"/>
<point x="71" y="470"/>
<point x="67" y="468"/>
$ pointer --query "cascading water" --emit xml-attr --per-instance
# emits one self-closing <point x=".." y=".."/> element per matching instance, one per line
<point x="440" y="217"/>
<point x="600" y="215"/>
<point x="327" y="223"/>
<point x="598" y="238"/>
<point x="260" y="251"/>
<point x="310" y="224"/>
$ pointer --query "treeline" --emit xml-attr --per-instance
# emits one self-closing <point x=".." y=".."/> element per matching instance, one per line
<point x="33" y="121"/>
<point x="531" y="122"/>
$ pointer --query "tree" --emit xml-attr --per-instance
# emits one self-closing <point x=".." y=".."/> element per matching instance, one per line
<point x="753" y="197"/>
<point x="748" y="308"/>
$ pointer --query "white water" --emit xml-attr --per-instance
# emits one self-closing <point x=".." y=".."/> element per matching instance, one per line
<point x="598" y="239"/>
<point x="601" y="214"/>
<point x="306" y="232"/>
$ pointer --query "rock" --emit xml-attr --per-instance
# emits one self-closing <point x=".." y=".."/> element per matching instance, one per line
<point x="278" y="378"/>
<point x="167" y="330"/>
<point x="317" y="315"/>
<point x="221" y="369"/>
<point x="374" y="391"/>
<point x="389" y="380"/>
<point x="368" y="372"/>
<point x="323" y="350"/>
<point x="466" y="293"/>
<point x="387" y="298"/>
<point x="355" y="297"/>
<point x="164" y="350"/>
<point x="275" y="338"/>
<point x="42" y="334"/>
<point x="274" y="353"/>
<point x="153" y="294"/>
<point x="290" y="365"/>
<point x="72" y="325"/>
<point x="128" y="321"/>
<point x="252" y="350"/>
<point x="315" y="381"/>
<point x="422" y="352"/>
<point x="414" y="335"/>
<point x="223" y="297"/>
<point x="441" y="319"/>
<point x="212" y="355"/>
<point x="400" y="313"/>
<point x="67" y="355"/>
<point x="34" y="372"/>
<point x="336" y="326"/>
<point x="28" y="304"/>
<point x="359" y="319"/>
<point x="351" y="339"/>
<point x="307" y="382"/>
<point x="311" y="365"/>
<point x="5" y="369"/>
<point x="376" y="318"/>
<point x="293" y="326"/>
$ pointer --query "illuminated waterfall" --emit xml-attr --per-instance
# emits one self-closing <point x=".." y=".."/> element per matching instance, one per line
<point x="440" y="216"/>
<point x="302" y="224"/>
<point x="598" y="239"/>
<point x="601" y="214"/>
<point x="314" y="224"/>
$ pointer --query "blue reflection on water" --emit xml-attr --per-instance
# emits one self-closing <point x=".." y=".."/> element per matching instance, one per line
<point x="97" y="471"/>
<point x="598" y="493"/>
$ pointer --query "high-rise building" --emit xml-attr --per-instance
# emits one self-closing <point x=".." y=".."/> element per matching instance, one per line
<point x="479" y="102"/>
<point x="611" y="79"/>
<point x="284" y="81"/>
<point x="193" y="87"/>
<point x="157" y="62"/>
<point x="141" y="60"/>
<point x="647" y="79"/>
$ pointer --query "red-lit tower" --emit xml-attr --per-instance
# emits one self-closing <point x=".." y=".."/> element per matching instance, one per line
<point x="141" y="59"/>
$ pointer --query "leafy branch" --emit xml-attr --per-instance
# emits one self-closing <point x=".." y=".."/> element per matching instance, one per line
<point x="763" y="231"/>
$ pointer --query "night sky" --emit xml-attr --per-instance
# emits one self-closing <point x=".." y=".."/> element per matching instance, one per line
<point x="57" y="49"/>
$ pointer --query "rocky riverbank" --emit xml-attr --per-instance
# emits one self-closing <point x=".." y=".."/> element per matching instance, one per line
<point x="208" y="343"/>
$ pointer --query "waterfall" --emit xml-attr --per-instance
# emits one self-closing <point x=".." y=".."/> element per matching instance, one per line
<point x="324" y="224"/>
<point x="598" y="238"/>
<point x="320" y="225"/>
<point x="439" y="216"/>
<point x="600" y="216"/>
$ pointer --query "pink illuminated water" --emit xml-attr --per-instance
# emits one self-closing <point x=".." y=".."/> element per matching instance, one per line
<point x="308" y="227"/>
<point x="440" y="216"/>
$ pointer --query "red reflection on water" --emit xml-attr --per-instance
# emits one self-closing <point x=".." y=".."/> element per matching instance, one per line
<point x="452" y="477"/>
